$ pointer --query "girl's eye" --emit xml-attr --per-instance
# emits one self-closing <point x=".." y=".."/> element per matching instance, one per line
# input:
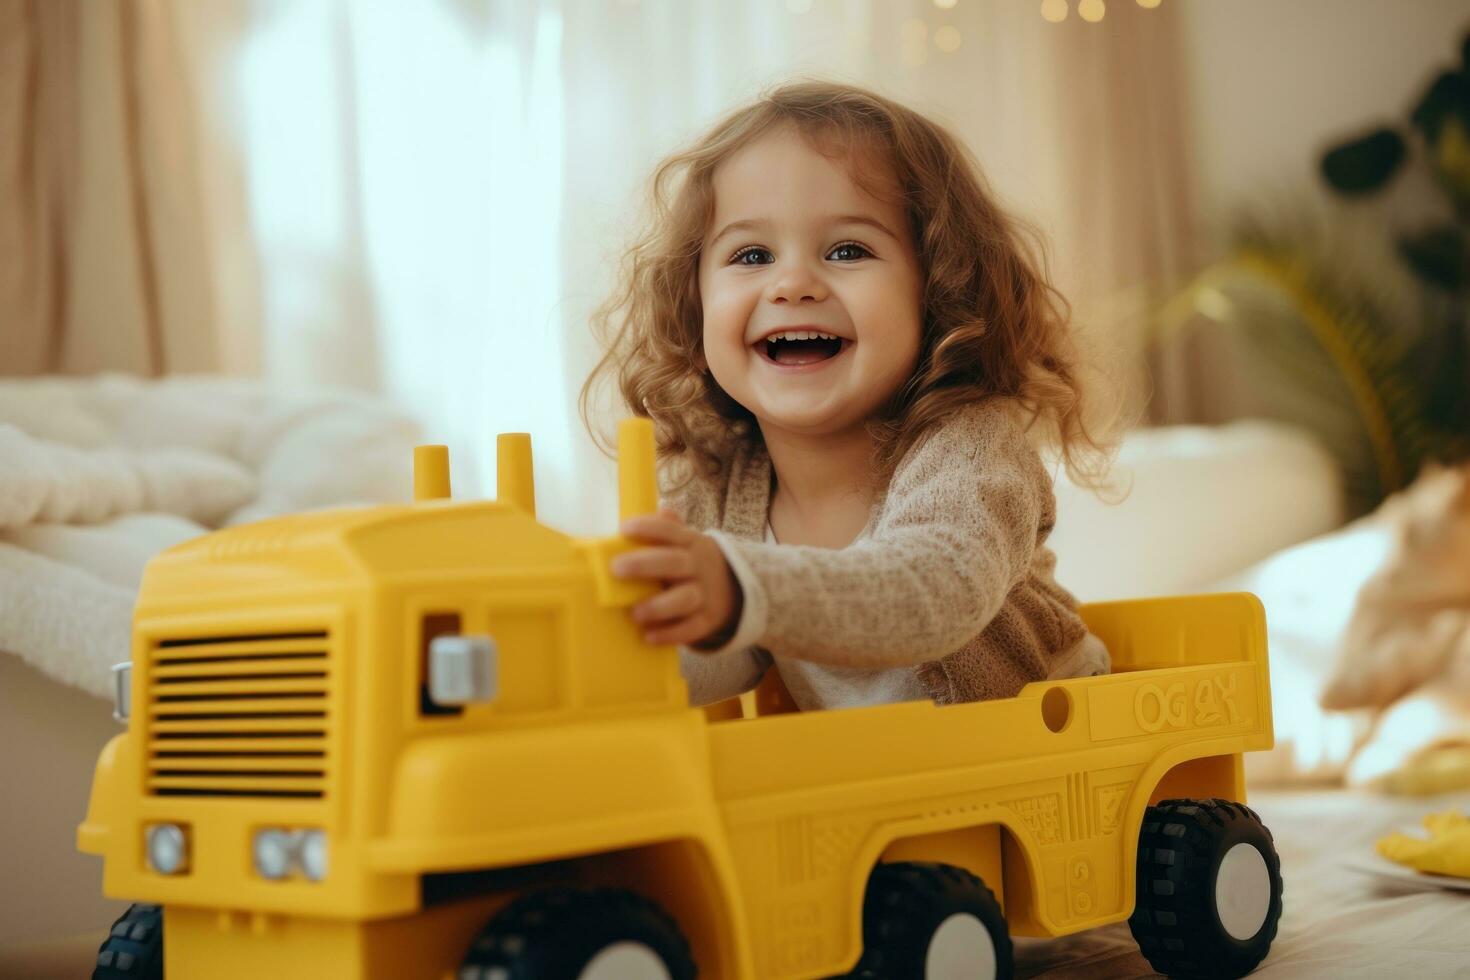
<point x="740" y="257"/>
<point x="854" y="250"/>
<point x="845" y="252"/>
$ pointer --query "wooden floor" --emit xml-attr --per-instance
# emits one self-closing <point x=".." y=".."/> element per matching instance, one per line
<point x="57" y="959"/>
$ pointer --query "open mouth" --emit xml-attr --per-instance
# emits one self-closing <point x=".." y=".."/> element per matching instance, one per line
<point x="796" y="353"/>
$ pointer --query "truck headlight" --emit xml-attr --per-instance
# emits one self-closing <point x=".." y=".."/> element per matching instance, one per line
<point x="274" y="853"/>
<point x="168" y="848"/>
<point x="122" y="690"/>
<point x="279" y="853"/>
<point x="314" y="854"/>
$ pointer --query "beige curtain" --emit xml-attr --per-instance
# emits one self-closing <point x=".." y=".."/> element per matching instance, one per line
<point x="1122" y="121"/>
<point x="1133" y="231"/>
<point x="136" y="230"/>
<point x="103" y="264"/>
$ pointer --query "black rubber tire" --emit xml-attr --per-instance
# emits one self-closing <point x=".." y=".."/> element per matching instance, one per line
<point x="133" y="950"/>
<point x="1174" y="918"/>
<point x="906" y="902"/>
<point x="554" y="934"/>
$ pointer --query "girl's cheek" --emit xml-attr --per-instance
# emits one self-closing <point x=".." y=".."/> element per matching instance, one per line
<point x="727" y="314"/>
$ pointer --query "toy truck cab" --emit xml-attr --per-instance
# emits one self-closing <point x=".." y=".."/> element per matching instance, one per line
<point x="427" y="741"/>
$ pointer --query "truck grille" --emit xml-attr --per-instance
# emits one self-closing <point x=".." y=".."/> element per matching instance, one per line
<point x="240" y="715"/>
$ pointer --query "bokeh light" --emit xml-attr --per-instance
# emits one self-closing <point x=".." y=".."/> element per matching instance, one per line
<point x="947" y="39"/>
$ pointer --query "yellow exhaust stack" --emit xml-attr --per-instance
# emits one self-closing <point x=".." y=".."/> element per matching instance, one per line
<point x="637" y="489"/>
<point x="430" y="472"/>
<point x="515" y="481"/>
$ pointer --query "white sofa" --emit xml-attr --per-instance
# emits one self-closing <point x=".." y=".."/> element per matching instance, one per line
<point x="97" y="474"/>
<point x="1202" y="503"/>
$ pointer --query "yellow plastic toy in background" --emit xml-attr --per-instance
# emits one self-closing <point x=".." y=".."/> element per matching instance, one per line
<point x="1437" y="769"/>
<point x="427" y="741"/>
<point x="1445" y="852"/>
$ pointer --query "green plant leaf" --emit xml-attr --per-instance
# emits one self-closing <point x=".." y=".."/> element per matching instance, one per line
<point x="1451" y="163"/>
<point x="1360" y="337"/>
<point x="1447" y="96"/>
<point x="1365" y="164"/>
<point x="1336" y="341"/>
<point x="1446" y="368"/>
<point x="1438" y="256"/>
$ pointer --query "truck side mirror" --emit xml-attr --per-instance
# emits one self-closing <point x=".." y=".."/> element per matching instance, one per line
<point x="122" y="690"/>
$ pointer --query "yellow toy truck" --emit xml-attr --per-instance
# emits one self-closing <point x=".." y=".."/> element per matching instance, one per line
<point x="427" y="741"/>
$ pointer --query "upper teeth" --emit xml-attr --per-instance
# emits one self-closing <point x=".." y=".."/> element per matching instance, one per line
<point x="802" y="335"/>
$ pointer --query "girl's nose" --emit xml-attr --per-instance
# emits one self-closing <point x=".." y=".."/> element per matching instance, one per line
<point x="797" y="282"/>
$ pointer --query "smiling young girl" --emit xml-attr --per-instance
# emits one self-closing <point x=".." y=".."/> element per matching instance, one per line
<point x="842" y="342"/>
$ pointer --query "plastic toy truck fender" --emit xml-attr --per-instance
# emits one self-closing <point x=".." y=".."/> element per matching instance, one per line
<point x="516" y="797"/>
<point x="102" y="805"/>
<point x="1198" y="777"/>
<point x="1007" y="856"/>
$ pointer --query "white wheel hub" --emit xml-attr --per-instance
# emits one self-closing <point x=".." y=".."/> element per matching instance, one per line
<point x="960" y="949"/>
<point x="626" y="960"/>
<point x="1243" y="891"/>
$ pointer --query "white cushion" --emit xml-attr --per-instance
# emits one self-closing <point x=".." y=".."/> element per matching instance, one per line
<point x="1309" y="592"/>
<point x="1204" y="502"/>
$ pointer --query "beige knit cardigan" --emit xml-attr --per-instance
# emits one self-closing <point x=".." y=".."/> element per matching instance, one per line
<point x="951" y="576"/>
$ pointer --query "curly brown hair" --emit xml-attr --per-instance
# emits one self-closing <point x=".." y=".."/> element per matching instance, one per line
<point x="993" y="325"/>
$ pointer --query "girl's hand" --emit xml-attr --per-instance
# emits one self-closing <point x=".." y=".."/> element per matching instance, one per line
<point x="701" y="597"/>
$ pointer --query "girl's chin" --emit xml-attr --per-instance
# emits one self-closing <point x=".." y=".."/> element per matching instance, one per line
<point x="795" y="416"/>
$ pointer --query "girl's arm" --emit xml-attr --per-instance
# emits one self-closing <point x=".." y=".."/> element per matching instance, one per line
<point x="965" y="513"/>
<point x="728" y="675"/>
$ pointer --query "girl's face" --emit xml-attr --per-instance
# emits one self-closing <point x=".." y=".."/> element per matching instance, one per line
<point x="796" y="245"/>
